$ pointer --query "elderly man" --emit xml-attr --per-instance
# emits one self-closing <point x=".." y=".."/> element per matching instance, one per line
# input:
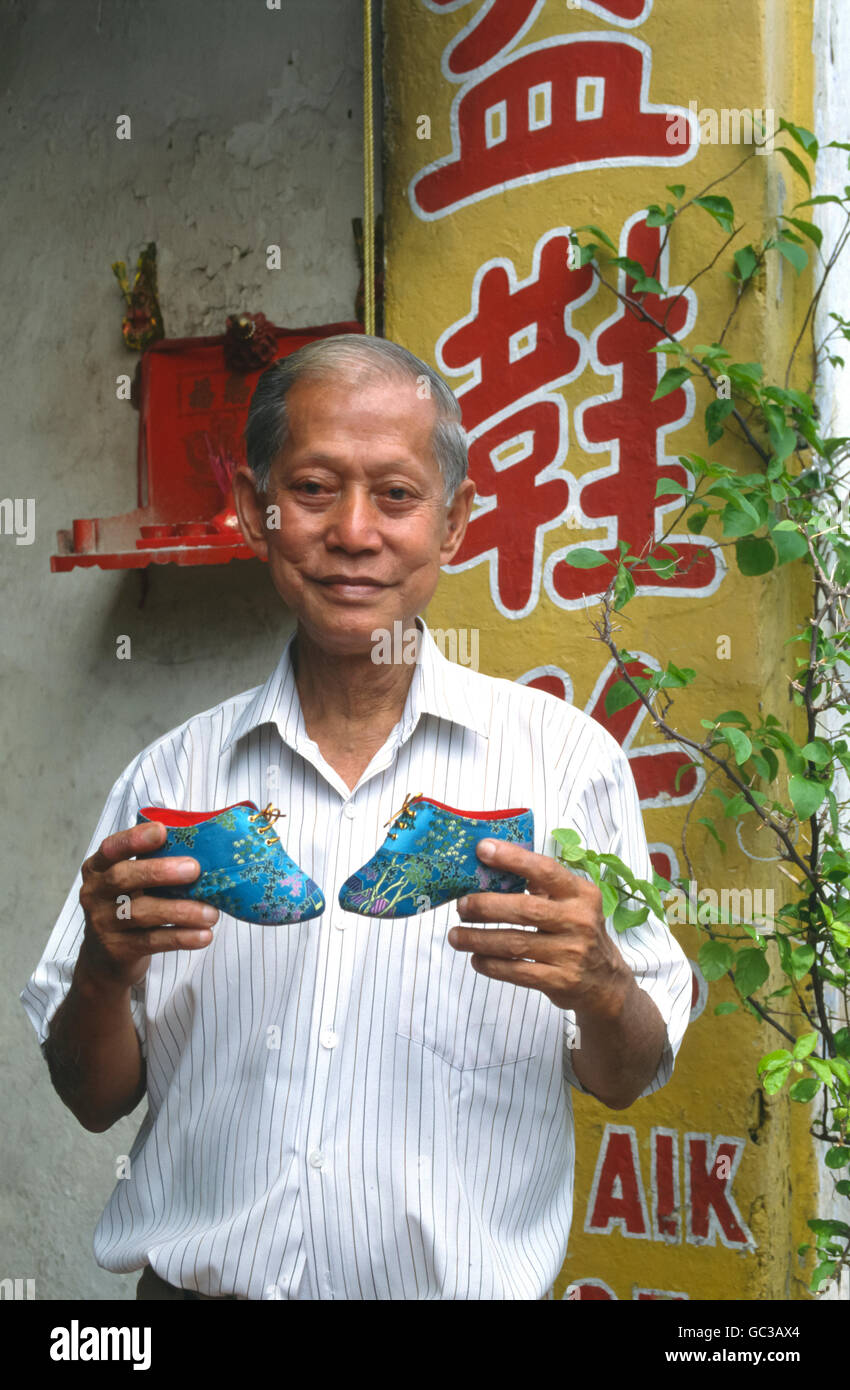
<point x="350" y="1107"/>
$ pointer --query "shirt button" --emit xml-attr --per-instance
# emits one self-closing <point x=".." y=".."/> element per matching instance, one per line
<point x="316" y="1159"/>
<point x="328" y="1038"/>
<point x="349" y="810"/>
<point x="340" y="923"/>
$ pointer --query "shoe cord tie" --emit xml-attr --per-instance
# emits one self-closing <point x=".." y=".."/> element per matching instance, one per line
<point x="406" y="810"/>
<point x="269" y="814"/>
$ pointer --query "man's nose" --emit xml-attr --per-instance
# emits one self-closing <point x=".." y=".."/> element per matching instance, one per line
<point x="354" y="521"/>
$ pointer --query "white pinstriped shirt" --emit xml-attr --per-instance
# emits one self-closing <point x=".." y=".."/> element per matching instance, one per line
<point x="343" y="1108"/>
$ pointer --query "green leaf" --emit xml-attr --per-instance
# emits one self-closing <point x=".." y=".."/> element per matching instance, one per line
<point x="610" y="897"/>
<point x="660" y="217"/>
<point x="806" y="795"/>
<point x="596" y="231"/>
<point x="624" y="588"/>
<point x="709" y="825"/>
<point x="800" y="963"/>
<point x="619" y="697"/>
<point x="727" y="1008"/>
<point x="669" y="485"/>
<point x="677" y="189"/>
<point x="818" y="752"/>
<point x="751" y="971"/>
<point x="774" y="1059"/>
<point x="821" y="1069"/>
<point x="715" y="958"/>
<point x="790" y="544"/>
<point x="747" y="262"/>
<point x="584" y="558"/>
<point x="626" y="917"/>
<point x="793" y="253"/>
<point x="807" y="228"/>
<point x="719" y="208"/>
<point x="739" y="520"/>
<point x="570" y="845"/>
<point x="805" y="139"/>
<point x="796" y="164"/>
<point x="825" y="1270"/>
<point x="671" y="381"/>
<point x="822" y="1227"/>
<point x="839" y="1068"/>
<point x="775" y="1080"/>
<point x="715" y="414"/>
<point x="837" y="1157"/>
<point x="733" y="716"/>
<point x="805" y="1089"/>
<point x="738" y="742"/>
<point x="804" y="1045"/>
<point x="754" y="556"/>
<point x="745" y="373"/>
<point x="821" y="198"/>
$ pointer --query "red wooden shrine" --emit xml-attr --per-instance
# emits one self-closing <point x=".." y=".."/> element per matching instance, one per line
<point x="193" y="411"/>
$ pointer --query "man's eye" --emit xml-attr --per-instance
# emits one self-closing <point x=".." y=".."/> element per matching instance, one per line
<point x="398" y="494"/>
<point x="310" y="486"/>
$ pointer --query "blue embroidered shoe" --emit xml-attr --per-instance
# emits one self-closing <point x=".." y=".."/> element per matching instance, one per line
<point x="245" y="870"/>
<point x="428" y="859"/>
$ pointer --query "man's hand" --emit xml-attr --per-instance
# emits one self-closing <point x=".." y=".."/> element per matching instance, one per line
<point x="119" y="948"/>
<point x="570" y="958"/>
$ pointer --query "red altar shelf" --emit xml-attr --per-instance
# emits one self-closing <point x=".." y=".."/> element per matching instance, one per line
<point x="192" y="414"/>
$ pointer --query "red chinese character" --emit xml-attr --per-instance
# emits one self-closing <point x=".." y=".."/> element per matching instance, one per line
<point x="518" y="336"/>
<point x="493" y="29"/>
<point x="553" y="107"/>
<point x="526" y="496"/>
<point x="631" y="427"/>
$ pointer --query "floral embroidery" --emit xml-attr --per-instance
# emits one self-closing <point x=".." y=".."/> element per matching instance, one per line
<point x="242" y="874"/>
<point x="434" y="864"/>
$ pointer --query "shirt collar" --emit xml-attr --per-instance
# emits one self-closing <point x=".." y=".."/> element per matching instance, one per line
<point x="439" y="687"/>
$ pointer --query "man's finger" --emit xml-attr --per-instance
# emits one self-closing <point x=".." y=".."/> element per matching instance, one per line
<point x="507" y="945"/>
<point x="124" y="844"/>
<point x="130" y="875"/>
<point x="527" y="910"/>
<point x="544" y="874"/>
<point x="148" y="914"/>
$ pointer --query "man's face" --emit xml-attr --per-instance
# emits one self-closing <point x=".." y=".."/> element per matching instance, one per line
<point x="364" y="526"/>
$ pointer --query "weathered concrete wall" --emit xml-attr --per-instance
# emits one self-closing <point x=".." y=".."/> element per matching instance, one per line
<point x="246" y="130"/>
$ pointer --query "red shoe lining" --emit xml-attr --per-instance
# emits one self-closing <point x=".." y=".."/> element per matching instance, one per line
<point x="477" y="815"/>
<point x="175" y="818"/>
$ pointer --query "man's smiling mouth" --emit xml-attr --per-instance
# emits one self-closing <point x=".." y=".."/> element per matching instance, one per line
<point x="351" y="586"/>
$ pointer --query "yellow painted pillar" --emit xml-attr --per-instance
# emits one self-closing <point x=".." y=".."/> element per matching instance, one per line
<point x="505" y="126"/>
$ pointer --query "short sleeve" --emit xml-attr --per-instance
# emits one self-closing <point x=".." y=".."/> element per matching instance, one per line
<point x="50" y="981"/>
<point x="605" y="809"/>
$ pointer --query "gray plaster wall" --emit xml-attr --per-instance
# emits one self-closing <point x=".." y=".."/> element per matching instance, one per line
<point x="246" y="131"/>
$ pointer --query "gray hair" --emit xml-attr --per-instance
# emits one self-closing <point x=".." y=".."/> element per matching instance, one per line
<point x="348" y="354"/>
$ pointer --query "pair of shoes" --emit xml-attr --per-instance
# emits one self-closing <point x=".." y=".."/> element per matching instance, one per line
<point x="427" y="859"/>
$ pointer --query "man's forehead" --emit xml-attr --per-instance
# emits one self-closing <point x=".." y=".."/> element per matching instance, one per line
<point x="363" y="402"/>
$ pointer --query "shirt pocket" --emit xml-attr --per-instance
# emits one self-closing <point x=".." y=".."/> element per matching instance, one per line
<point x="467" y="1020"/>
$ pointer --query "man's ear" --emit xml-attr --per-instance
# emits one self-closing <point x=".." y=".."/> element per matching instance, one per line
<point x="251" y="511"/>
<point x="457" y="520"/>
